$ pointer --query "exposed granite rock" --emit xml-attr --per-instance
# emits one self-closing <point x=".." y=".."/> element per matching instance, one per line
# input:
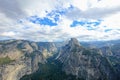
<point x="25" y="56"/>
<point x="85" y="63"/>
<point x="88" y="64"/>
<point x="48" y="48"/>
<point x="112" y="52"/>
<point x="106" y="50"/>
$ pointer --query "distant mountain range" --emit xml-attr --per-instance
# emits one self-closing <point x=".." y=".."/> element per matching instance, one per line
<point x="71" y="60"/>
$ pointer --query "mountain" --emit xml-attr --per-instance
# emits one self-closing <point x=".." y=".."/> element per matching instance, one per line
<point x="88" y="64"/>
<point x="113" y="54"/>
<point x="99" y="44"/>
<point x="71" y="60"/>
<point x="48" y="48"/>
<point x="111" y="50"/>
<point x="21" y="57"/>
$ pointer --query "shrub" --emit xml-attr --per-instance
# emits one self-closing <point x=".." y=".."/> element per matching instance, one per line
<point x="5" y="60"/>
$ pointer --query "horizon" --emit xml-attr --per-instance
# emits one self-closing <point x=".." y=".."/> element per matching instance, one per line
<point x="60" y="41"/>
<point x="59" y="20"/>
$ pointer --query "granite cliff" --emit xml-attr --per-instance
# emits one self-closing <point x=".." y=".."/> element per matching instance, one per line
<point x="85" y="63"/>
<point x="27" y="60"/>
<point x="20" y="57"/>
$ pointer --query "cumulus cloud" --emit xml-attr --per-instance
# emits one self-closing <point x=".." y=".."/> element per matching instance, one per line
<point x="11" y="9"/>
<point x="17" y="9"/>
<point x="92" y="13"/>
<point x="22" y="28"/>
<point x="8" y="34"/>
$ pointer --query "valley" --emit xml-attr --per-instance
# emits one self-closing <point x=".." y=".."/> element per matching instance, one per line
<point x="73" y="60"/>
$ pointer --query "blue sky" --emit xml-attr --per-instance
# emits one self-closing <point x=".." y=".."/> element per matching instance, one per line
<point x="58" y="20"/>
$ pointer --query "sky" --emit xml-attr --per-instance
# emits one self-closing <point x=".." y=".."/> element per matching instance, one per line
<point x="59" y="20"/>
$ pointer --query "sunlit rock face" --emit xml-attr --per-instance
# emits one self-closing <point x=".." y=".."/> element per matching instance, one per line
<point x="48" y="49"/>
<point x="18" y="58"/>
<point x="88" y="64"/>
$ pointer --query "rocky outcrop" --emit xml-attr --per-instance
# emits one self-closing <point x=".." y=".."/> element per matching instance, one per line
<point x="88" y="64"/>
<point x="20" y="58"/>
<point x="48" y="48"/>
<point x="112" y="50"/>
<point x="25" y="57"/>
<point x="113" y="54"/>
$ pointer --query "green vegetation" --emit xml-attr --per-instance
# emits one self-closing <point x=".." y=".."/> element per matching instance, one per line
<point x="5" y="60"/>
<point x="114" y="60"/>
<point x="74" y="49"/>
<point x="86" y="52"/>
<point x="50" y="71"/>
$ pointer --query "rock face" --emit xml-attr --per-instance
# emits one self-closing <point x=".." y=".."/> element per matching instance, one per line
<point x="112" y="50"/>
<point x="23" y="58"/>
<point x="87" y="64"/>
<point x="48" y="48"/>
<point x="20" y="58"/>
<point x="113" y="54"/>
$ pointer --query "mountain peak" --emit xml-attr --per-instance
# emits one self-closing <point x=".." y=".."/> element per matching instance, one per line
<point x="74" y="42"/>
<point x="74" y="39"/>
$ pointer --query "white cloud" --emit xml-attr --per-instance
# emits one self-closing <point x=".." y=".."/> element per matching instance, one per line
<point x="11" y="9"/>
<point x="9" y="34"/>
<point x="92" y="13"/>
<point x="104" y="3"/>
<point x="113" y="21"/>
<point x="87" y="9"/>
